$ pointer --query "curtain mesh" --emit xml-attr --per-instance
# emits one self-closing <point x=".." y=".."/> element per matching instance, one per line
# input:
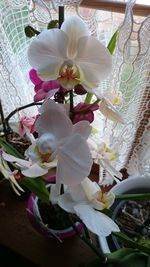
<point x="130" y="76"/>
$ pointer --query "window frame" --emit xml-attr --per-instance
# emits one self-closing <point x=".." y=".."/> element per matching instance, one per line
<point x="116" y="6"/>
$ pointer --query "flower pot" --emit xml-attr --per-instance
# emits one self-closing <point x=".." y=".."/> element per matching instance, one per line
<point x="130" y="185"/>
<point x="36" y="221"/>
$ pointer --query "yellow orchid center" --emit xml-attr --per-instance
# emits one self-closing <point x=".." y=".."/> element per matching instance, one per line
<point x="43" y="157"/>
<point x="103" y="199"/>
<point x="69" y="75"/>
<point x="116" y="100"/>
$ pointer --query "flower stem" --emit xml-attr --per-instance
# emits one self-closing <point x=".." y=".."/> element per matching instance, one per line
<point x="88" y="98"/>
<point x="19" y="109"/>
<point x="144" y="196"/>
<point x="61" y="15"/>
<point x="71" y="103"/>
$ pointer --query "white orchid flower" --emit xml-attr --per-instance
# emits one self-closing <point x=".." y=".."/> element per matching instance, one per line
<point x="106" y="157"/>
<point x="31" y="167"/>
<point x="65" y="142"/>
<point x="9" y="175"/>
<point x="70" y="55"/>
<point x="60" y="143"/>
<point x="114" y="97"/>
<point x="110" y="111"/>
<point x="86" y="200"/>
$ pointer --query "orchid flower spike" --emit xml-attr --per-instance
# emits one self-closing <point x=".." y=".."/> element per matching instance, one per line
<point x="87" y="201"/>
<point x="70" y="55"/>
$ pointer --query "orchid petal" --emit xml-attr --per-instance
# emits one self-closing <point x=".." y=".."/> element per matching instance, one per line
<point x="50" y="85"/>
<point x="49" y="105"/>
<point x="74" y="160"/>
<point x="96" y="222"/>
<point x="47" y="52"/>
<point x="55" y="123"/>
<point x="75" y="28"/>
<point x="77" y="193"/>
<point x="14" y="182"/>
<point x="110" y="112"/>
<point x="93" y="60"/>
<point x="34" y="171"/>
<point x="109" y="168"/>
<point x="83" y="128"/>
<point x="34" y="77"/>
<point x="52" y="93"/>
<point x="90" y="188"/>
<point x="10" y="158"/>
<point x="55" y="193"/>
<point x="64" y="201"/>
<point x="40" y="95"/>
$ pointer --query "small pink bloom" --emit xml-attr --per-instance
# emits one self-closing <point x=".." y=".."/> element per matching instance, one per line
<point x="87" y="115"/>
<point x="26" y="124"/>
<point x="42" y="88"/>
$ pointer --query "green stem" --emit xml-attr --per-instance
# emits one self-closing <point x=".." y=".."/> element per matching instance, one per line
<point x="144" y="196"/>
<point x="88" y="98"/>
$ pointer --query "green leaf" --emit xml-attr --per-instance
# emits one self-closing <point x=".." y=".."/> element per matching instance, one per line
<point x="30" y="31"/>
<point x="112" y="43"/>
<point x="144" y="196"/>
<point x="132" y="244"/>
<point x="136" y="259"/>
<point x="53" y="24"/>
<point x="119" y="254"/>
<point x="37" y="186"/>
<point x="107" y="212"/>
<point x="148" y="262"/>
<point x="10" y="149"/>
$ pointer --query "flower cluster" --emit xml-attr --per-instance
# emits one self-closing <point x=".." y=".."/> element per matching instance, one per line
<point x="66" y="63"/>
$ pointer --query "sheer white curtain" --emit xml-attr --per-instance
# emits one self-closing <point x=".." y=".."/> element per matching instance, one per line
<point x="130" y="76"/>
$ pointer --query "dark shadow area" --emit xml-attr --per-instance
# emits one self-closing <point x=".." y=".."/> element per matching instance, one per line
<point x="9" y="258"/>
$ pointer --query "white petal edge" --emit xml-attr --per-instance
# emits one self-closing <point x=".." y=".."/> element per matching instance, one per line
<point x="93" y="60"/>
<point x="83" y="128"/>
<point x="47" y="52"/>
<point x="95" y="221"/>
<point x="74" y="160"/>
<point x="66" y="203"/>
<point x="10" y="158"/>
<point x="34" y="171"/>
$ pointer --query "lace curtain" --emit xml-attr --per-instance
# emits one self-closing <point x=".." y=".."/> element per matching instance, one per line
<point x="130" y="77"/>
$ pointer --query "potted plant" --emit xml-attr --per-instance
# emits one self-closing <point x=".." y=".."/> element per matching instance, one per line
<point x="129" y="212"/>
<point x="68" y="62"/>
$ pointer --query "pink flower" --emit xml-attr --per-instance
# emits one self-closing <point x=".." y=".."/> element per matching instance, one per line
<point x="26" y="125"/>
<point x="87" y="114"/>
<point x="42" y="88"/>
